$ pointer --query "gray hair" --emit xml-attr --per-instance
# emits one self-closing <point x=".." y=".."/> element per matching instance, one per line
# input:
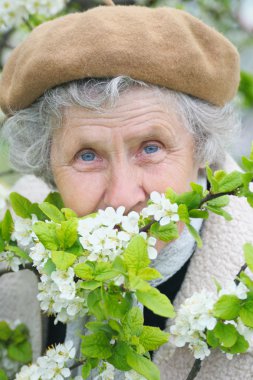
<point x="29" y="131"/>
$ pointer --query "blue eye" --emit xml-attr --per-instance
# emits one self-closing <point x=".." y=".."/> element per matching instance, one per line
<point x="88" y="156"/>
<point x="151" y="149"/>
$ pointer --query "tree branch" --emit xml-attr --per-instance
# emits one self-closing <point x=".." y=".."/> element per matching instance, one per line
<point x="195" y="369"/>
<point x="211" y="196"/>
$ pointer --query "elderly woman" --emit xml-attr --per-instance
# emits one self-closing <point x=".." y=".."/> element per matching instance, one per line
<point x="109" y="105"/>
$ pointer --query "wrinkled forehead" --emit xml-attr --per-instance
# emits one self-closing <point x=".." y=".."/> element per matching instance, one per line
<point x="139" y="103"/>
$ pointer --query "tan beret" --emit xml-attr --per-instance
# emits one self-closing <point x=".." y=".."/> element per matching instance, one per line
<point x="162" y="46"/>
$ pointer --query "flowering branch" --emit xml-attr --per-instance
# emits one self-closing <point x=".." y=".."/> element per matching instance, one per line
<point x="99" y="265"/>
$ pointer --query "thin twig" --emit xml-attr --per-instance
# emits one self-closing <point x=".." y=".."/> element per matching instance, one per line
<point x="243" y="267"/>
<point x="146" y="228"/>
<point x="195" y="369"/>
<point x="27" y="23"/>
<point x="211" y="196"/>
<point x="77" y="364"/>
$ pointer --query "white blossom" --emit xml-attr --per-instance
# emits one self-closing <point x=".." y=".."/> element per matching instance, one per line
<point x="200" y="349"/>
<point x="111" y="217"/>
<point x="231" y="288"/>
<point x="161" y="209"/>
<point x="12" y="262"/>
<point x="39" y="254"/>
<point x="130" y="222"/>
<point x="246" y="332"/>
<point x="60" y="295"/>
<point x="193" y="318"/>
<point x="14" y="12"/>
<point x="23" y="233"/>
<point x="152" y="251"/>
<point x="107" y="372"/>
<point x="51" y="366"/>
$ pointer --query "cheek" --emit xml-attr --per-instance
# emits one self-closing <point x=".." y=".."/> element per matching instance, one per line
<point x="173" y="173"/>
<point x="80" y="192"/>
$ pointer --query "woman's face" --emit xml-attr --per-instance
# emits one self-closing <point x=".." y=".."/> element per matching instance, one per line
<point x="120" y="156"/>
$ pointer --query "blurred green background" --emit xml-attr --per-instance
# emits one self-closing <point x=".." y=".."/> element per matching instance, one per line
<point x="233" y="18"/>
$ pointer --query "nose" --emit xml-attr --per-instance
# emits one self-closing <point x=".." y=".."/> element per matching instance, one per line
<point x="125" y="188"/>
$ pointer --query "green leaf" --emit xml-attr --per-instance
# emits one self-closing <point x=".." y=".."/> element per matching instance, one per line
<point x="171" y="195"/>
<point x="152" y="338"/>
<point x="86" y="369"/>
<point x="240" y="346"/>
<point x="20" y="205"/>
<point x="46" y="233"/>
<point x="142" y="365"/>
<point x="90" y="285"/>
<point x="99" y="326"/>
<point x="19" y="334"/>
<point x="213" y="182"/>
<point x="55" y="199"/>
<point x="115" y="325"/>
<point x="52" y="212"/>
<point x="226" y="333"/>
<point x="219" y="202"/>
<point x="63" y="260"/>
<point x="1" y="243"/>
<point x="197" y="188"/>
<point x="68" y="213"/>
<point x="119" y="265"/>
<point x="104" y="271"/>
<point x="248" y="255"/>
<point x="211" y="339"/>
<point x="246" y="280"/>
<point x="3" y="375"/>
<point x="5" y="331"/>
<point x="183" y="213"/>
<point x="246" y="313"/>
<point x="34" y="209"/>
<point x="203" y="214"/>
<point x="247" y="164"/>
<point x="116" y="305"/>
<point x="246" y="88"/>
<point x="219" y="175"/>
<point x="67" y="233"/>
<point x="221" y="212"/>
<point x="84" y="271"/>
<point x="21" y="352"/>
<point x="149" y="274"/>
<point x="18" y="252"/>
<point x="156" y="301"/>
<point x="136" y="254"/>
<point x="195" y="234"/>
<point x="119" y="356"/>
<point x="132" y="323"/>
<point x="166" y="233"/>
<point x="49" y="267"/>
<point x="7" y="226"/>
<point x="94" y="304"/>
<point x="230" y="182"/>
<point x="96" y="345"/>
<point x="190" y="199"/>
<point x="227" y="307"/>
